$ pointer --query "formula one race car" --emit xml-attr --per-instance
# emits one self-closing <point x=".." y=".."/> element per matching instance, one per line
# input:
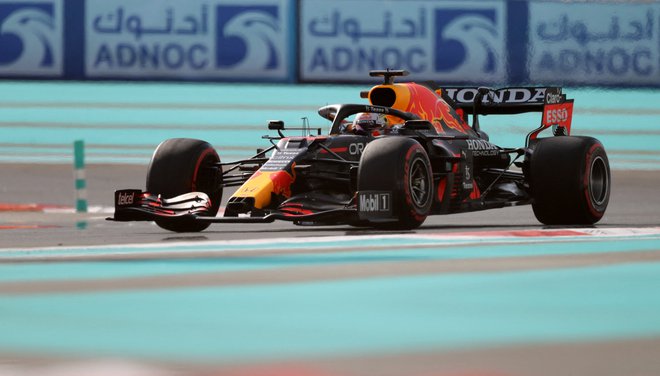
<point x="409" y="153"/>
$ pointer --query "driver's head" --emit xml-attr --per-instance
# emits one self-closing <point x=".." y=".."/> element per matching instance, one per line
<point x="366" y="122"/>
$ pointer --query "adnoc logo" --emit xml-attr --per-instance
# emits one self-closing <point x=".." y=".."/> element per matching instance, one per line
<point x="469" y="41"/>
<point x="30" y="38"/>
<point x="248" y="38"/>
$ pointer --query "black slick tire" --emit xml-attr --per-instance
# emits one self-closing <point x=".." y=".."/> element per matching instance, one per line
<point x="570" y="180"/>
<point x="182" y="165"/>
<point x="399" y="165"/>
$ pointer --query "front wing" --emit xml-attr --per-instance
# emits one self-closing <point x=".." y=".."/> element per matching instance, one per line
<point x="135" y="205"/>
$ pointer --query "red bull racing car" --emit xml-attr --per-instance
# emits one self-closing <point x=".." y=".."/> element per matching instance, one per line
<point x="414" y="150"/>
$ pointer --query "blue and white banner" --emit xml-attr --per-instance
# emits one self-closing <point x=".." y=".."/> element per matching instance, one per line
<point x="31" y="38"/>
<point x="449" y="41"/>
<point x="594" y="43"/>
<point x="456" y="42"/>
<point x="238" y="40"/>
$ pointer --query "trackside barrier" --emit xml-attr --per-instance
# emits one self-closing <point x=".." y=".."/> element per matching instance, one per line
<point x="223" y="40"/>
<point x="609" y="43"/>
<point x="483" y="42"/>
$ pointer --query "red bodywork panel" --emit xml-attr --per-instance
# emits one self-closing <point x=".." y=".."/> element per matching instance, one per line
<point x="423" y="102"/>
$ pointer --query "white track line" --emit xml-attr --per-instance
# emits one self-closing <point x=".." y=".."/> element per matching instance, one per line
<point x="406" y="240"/>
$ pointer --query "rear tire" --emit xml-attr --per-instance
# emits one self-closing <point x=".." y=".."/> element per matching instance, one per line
<point x="181" y="165"/>
<point x="399" y="165"/>
<point x="570" y="180"/>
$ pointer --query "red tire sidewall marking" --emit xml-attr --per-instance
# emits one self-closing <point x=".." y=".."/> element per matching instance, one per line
<point x="410" y="154"/>
<point x="201" y="158"/>
<point x="587" y="174"/>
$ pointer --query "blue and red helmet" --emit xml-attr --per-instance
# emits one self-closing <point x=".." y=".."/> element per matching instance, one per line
<point x="366" y="122"/>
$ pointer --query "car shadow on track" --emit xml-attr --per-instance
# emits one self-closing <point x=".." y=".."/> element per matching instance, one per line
<point x="344" y="230"/>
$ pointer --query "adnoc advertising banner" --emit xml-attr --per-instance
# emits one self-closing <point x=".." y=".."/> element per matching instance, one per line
<point x="594" y="43"/>
<point x="238" y="40"/>
<point x="449" y="41"/>
<point x="31" y="38"/>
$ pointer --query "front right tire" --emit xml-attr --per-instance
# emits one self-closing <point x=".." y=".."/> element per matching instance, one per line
<point x="399" y="165"/>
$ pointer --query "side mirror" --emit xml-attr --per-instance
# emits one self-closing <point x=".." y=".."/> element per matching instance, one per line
<point x="276" y="125"/>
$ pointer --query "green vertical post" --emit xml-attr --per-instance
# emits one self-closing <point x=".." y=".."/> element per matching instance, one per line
<point x="79" y="175"/>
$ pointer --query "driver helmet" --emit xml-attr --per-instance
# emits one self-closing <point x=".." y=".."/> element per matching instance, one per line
<point x="366" y="122"/>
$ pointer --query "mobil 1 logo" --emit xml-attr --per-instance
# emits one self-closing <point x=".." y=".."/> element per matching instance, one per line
<point x="374" y="204"/>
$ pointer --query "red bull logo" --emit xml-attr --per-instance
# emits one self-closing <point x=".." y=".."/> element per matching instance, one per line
<point x="448" y="118"/>
<point x="263" y="184"/>
<point x="411" y="97"/>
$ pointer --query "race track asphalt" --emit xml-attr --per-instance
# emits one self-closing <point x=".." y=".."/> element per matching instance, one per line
<point x="514" y="301"/>
<point x="634" y="202"/>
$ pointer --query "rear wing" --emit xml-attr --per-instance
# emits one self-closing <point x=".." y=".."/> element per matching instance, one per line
<point x="557" y="110"/>
<point x="512" y="100"/>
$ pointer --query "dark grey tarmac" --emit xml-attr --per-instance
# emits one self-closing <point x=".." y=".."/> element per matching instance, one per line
<point x="634" y="202"/>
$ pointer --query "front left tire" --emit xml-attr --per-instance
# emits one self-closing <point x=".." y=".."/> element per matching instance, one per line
<point x="183" y="165"/>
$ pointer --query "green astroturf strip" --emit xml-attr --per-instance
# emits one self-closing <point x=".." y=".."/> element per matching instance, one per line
<point x="349" y="317"/>
<point x="606" y="114"/>
<point x="403" y="251"/>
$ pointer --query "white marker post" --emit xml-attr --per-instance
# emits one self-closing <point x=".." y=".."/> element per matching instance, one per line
<point x="79" y="174"/>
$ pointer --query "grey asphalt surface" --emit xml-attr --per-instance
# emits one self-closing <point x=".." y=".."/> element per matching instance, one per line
<point x="634" y="202"/>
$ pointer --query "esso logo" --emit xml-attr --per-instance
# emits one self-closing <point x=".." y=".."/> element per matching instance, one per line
<point x="355" y="149"/>
<point x="556" y="116"/>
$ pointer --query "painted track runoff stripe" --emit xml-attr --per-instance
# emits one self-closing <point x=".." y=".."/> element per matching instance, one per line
<point x="353" y="242"/>
<point x="31" y="207"/>
<point x="51" y="208"/>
